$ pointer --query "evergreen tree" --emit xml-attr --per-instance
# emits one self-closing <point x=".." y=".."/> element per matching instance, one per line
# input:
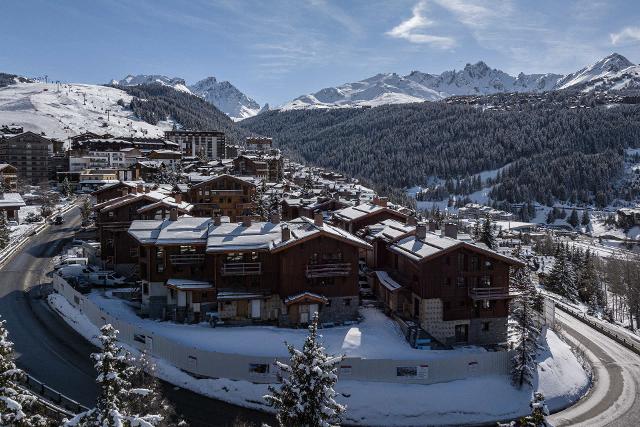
<point x="524" y="332"/>
<point x="65" y="188"/>
<point x="561" y="279"/>
<point x="115" y="370"/>
<point x="539" y="411"/>
<point x="85" y="210"/>
<point x="589" y="289"/>
<point x="486" y="234"/>
<point x="306" y="395"/>
<point x="260" y="206"/>
<point x="585" y="218"/>
<point x="5" y="233"/>
<point x="17" y="407"/>
<point x="307" y="186"/>
<point x="551" y="216"/>
<point x="573" y="218"/>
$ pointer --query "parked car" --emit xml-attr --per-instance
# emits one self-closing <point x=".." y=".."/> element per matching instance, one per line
<point x="74" y="271"/>
<point x="12" y="223"/>
<point x="71" y="261"/>
<point x="58" y="220"/>
<point x="106" y="278"/>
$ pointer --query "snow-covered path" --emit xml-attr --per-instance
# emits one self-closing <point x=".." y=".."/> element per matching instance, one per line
<point x="615" y="397"/>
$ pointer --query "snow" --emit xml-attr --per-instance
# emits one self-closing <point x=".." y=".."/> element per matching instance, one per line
<point x="560" y="377"/>
<point x="60" y="110"/>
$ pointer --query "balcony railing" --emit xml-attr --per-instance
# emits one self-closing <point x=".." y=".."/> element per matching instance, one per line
<point x="241" y="268"/>
<point x="184" y="259"/>
<point x="489" y="293"/>
<point x="244" y="205"/>
<point x="328" y="270"/>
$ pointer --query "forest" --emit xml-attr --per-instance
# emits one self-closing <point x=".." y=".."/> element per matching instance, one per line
<point x="562" y="147"/>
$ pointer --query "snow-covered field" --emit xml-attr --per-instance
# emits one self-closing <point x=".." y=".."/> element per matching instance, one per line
<point x="476" y="400"/>
<point x="67" y="109"/>
<point x="376" y="337"/>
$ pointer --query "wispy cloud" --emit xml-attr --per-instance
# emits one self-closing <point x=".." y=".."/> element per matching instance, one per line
<point x="471" y="13"/>
<point x="625" y="35"/>
<point x="338" y="15"/>
<point x="413" y="30"/>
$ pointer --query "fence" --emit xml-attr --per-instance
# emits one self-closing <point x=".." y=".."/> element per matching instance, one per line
<point x="209" y="364"/>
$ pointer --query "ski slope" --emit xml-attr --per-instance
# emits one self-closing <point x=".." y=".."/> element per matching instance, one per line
<point x="64" y="110"/>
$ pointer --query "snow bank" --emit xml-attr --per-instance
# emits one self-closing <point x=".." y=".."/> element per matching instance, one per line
<point x="475" y="400"/>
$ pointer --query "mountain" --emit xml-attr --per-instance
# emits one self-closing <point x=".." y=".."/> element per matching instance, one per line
<point x="473" y="79"/>
<point x="145" y="79"/>
<point x="226" y="97"/>
<point x="64" y="110"/>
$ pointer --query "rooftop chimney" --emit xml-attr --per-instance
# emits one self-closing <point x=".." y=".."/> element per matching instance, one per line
<point x="451" y="230"/>
<point x="286" y="233"/>
<point x="432" y="225"/>
<point x="318" y="219"/>
<point x="178" y="198"/>
<point x="275" y="218"/>
<point x="421" y="231"/>
<point x="412" y="221"/>
<point x="173" y="214"/>
<point x="246" y="221"/>
<point x="217" y="219"/>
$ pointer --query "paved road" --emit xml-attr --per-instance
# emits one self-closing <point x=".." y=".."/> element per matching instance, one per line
<point x="615" y="397"/>
<point x="52" y="352"/>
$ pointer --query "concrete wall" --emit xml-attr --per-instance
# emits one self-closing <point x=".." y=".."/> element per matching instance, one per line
<point x="210" y="364"/>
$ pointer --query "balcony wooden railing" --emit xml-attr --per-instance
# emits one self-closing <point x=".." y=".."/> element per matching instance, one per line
<point x="241" y="268"/>
<point x="244" y="205"/>
<point x="489" y="293"/>
<point x="184" y="259"/>
<point x="328" y="270"/>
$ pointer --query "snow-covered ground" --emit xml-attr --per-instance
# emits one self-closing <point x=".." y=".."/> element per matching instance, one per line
<point x="376" y="337"/>
<point x="475" y="400"/>
<point x="67" y="109"/>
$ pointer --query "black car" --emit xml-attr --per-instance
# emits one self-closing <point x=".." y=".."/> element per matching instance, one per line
<point x="58" y="220"/>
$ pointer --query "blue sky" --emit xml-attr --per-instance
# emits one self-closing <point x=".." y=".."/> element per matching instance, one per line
<point x="276" y="50"/>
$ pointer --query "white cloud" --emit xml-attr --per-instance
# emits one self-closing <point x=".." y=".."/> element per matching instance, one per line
<point x="338" y="15"/>
<point x="471" y="13"/>
<point x="627" y="34"/>
<point x="411" y="30"/>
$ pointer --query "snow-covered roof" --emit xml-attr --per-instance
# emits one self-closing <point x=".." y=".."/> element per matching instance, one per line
<point x="186" y="230"/>
<point x="168" y="202"/>
<point x="304" y="295"/>
<point x="11" y="200"/>
<point x="230" y="295"/>
<point x="237" y="237"/>
<point x="388" y="230"/>
<point x="186" y="284"/>
<point x="386" y="281"/>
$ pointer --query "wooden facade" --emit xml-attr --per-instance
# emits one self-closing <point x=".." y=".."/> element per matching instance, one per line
<point x="224" y="194"/>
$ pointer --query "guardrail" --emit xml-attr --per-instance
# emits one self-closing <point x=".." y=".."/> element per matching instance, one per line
<point x="53" y="400"/>
<point x="620" y="339"/>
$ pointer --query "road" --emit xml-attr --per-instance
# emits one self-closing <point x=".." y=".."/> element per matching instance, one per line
<point x="614" y="399"/>
<point x="52" y="352"/>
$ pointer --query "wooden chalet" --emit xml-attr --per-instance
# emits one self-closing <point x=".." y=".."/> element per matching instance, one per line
<point x="226" y="195"/>
<point x="357" y="217"/>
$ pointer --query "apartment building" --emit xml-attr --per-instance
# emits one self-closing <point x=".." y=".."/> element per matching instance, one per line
<point x="29" y="153"/>
<point x="208" y="144"/>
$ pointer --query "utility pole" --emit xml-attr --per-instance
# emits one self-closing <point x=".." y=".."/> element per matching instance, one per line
<point x="46" y="79"/>
<point x="108" y="111"/>
<point x="84" y="97"/>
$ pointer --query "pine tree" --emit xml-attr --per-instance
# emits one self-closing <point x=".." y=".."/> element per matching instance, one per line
<point x="551" y="216"/>
<point x="588" y="283"/>
<point x="260" y="208"/>
<point x="65" y="188"/>
<point x="486" y="234"/>
<point x="17" y="407"/>
<point x="573" y="218"/>
<point x="585" y="218"/>
<point x="5" y="233"/>
<point x="306" y="395"/>
<point x="85" y="210"/>
<point x="539" y="411"/>
<point x="114" y="366"/>
<point x="524" y="332"/>
<point x="561" y="279"/>
<point x="307" y="186"/>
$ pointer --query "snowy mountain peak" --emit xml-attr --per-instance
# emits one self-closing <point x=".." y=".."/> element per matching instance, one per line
<point x="588" y="77"/>
<point x="226" y="97"/>
<point x="142" y="79"/>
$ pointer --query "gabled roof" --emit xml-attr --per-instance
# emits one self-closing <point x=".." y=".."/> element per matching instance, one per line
<point x="305" y="297"/>
<point x="242" y="180"/>
<point x="130" y="184"/>
<point x="388" y="230"/>
<point x="303" y="229"/>
<point x="168" y="203"/>
<point x="186" y="230"/>
<point x="152" y="196"/>
<point x="434" y="245"/>
<point x="7" y="166"/>
<point x="364" y="210"/>
<point x="11" y="200"/>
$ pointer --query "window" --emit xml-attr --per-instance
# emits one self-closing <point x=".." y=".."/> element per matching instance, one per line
<point x="488" y="265"/>
<point x="462" y="303"/>
<point x="475" y="263"/>
<point x="461" y="282"/>
<point x="139" y="338"/>
<point x="159" y="259"/>
<point x="461" y="259"/>
<point x="187" y="249"/>
<point x="133" y="252"/>
<point x="446" y="281"/>
<point x="486" y="326"/>
<point x="485" y="281"/>
<point x="110" y="243"/>
<point x="486" y="304"/>
<point x="145" y="288"/>
<point x="406" y="371"/>
<point x="446" y="305"/>
<point x="110" y="214"/>
<point x="347" y="302"/>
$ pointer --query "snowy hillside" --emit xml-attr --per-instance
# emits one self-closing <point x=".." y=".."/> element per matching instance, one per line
<point x="69" y="109"/>
<point x="613" y="72"/>
<point x="226" y="97"/>
<point x="223" y="95"/>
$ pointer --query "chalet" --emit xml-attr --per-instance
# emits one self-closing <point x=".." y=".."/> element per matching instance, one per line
<point x="118" y="249"/>
<point x="258" y="143"/>
<point x="111" y="191"/>
<point x="10" y="204"/>
<point x="628" y="217"/>
<point x="170" y="158"/>
<point x="262" y="165"/>
<point x="456" y="291"/>
<point x="147" y="170"/>
<point x="380" y="235"/>
<point x="9" y="176"/>
<point x="247" y="272"/>
<point x="357" y="217"/>
<point x="224" y="194"/>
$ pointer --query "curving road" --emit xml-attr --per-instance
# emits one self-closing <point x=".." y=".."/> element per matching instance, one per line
<point x="614" y="399"/>
<point x="52" y="352"/>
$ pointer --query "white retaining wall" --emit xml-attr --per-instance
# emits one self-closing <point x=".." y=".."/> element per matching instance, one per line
<point x="210" y="364"/>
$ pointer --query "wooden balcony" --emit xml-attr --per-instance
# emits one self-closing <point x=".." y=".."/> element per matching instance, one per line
<point x="328" y="270"/>
<point x="241" y="268"/>
<point x="489" y="293"/>
<point x="185" y="259"/>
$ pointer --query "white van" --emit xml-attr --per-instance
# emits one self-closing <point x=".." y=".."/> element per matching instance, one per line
<point x="106" y="278"/>
<point x="74" y="270"/>
<point x="71" y="261"/>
